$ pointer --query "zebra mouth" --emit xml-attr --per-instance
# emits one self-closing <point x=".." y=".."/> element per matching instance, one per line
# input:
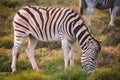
<point x="90" y="68"/>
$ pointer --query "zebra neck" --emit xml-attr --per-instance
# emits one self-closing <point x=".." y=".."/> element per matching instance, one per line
<point x="82" y="35"/>
<point x="84" y="44"/>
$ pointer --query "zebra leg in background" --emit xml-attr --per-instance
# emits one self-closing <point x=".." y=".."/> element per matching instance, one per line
<point x="91" y="5"/>
<point x="82" y="6"/>
<point x="89" y="15"/>
<point x="65" y="50"/>
<point x="16" y="47"/>
<point x="72" y="53"/>
<point x="113" y="13"/>
<point x="30" y="52"/>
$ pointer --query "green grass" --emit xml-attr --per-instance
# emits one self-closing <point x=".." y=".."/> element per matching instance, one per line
<point x="105" y="74"/>
<point x="52" y="67"/>
<point x="24" y="75"/>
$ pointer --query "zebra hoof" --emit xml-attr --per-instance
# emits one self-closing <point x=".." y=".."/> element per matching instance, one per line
<point x="38" y="71"/>
<point x="14" y="72"/>
<point x="111" y="25"/>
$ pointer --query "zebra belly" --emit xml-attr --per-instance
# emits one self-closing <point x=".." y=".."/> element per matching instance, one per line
<point x="54" y="38"/>
<point x="102" y="7"/>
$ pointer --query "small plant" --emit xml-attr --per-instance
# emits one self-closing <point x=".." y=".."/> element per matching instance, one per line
<point x="105" y="74"/>
<point x="77" y="74"/>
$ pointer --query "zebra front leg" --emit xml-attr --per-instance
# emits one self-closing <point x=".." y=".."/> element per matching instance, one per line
<point x="91" y="5"/>
<point x="30" y="52"/>
<point x="113" y="14"/>
<point x="65" y="50"/>
<point x="72" y="53"/>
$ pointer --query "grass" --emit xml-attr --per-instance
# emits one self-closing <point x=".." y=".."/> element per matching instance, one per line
<point x="51" y="64"/>
<point x="105" y="74"/>
<point x="24" y="75"/>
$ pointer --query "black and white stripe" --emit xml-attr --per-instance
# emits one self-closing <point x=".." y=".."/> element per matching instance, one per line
<point x="100" y="4"/>
<point x="54" y="24"/>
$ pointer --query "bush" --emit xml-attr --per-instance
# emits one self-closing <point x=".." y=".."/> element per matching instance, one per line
<point x="105" y="74"/>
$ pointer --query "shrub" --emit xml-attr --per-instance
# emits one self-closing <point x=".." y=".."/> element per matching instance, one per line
<point x="105" y="74"/>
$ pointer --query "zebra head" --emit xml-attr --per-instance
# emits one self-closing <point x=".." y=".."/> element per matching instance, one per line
<point x="89" y="58"/>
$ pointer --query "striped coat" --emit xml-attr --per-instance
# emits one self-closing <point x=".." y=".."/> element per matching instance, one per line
<point x="54" y="24"/>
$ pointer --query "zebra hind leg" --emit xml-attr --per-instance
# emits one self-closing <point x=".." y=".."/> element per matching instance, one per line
<point x="17" y="43"/>
<point x="30" y="52"/>
<point x="113" y="14"/>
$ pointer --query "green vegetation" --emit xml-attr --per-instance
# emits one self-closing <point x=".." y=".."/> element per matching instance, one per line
<point x="49" y="55"/>
<point x="105" y="74"/>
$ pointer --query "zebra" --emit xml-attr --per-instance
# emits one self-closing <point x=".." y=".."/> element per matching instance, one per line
<point x="54" y="24"/>
<point x="100" y="4"/>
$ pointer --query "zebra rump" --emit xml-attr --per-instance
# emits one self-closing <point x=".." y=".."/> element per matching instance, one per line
<point x="54" y="24"/>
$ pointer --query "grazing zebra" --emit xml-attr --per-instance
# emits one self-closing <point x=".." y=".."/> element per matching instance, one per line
<point x="100" y="4"/>
<point x="54" y="24"/>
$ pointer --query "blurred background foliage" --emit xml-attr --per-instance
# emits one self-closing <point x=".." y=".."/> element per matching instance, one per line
<point x="49" y="55"/>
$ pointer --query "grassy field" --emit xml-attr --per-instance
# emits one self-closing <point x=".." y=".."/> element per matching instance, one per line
<point x="49" y="56"/>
